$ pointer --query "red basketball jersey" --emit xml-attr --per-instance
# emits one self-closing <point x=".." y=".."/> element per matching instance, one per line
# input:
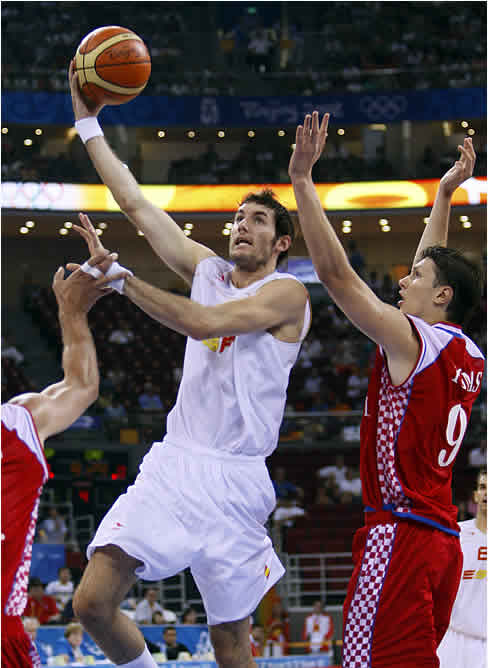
<point x="411" y="433"/>
<point x="24" y="470"/>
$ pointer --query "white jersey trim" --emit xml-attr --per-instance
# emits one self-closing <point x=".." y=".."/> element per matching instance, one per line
<point x="19" y="419"/>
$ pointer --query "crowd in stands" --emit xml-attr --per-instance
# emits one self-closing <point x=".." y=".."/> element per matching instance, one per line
<point x="238" y="49"/>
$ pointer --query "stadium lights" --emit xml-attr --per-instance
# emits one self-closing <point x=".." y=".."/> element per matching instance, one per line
<point x="347" y="226"/>
<point x="68" y="225"/>
<point x="63" y="231"/>
<point x="464" y="219"/>
<point x="464" y="124"/>
<point x="161" y="133"/>
<point x="229" y="226"/>
<point x="383" y="222"/>
<point x="221" y="134"/>
<point x="24" y="230"/>
<point x="226" y="231"/>
<point x="281" y="133"/>
<point x="340" y="131"/>
<point x="426" y="220"/>
<point x="103" y="226"/>
<point x="99" y="232"/>
<point x="30" y="224"/>
<point x="191" y="134"/>
<point x="466" y="225"/>
<point x="189" y="226"/>
<point x="471" y="132"/>
<point x="187" y="232"/>
<point x="385" y="228"/>
<point x="251" y="133"/>
<point x="140" y="233"/>
<point x="446" y="128"/>
<point x="38" y="131"/>
<point x="27" y="142"/>
<point x="5" y="131"/>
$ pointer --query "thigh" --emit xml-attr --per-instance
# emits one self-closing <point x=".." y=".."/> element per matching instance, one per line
<point x="108" y="577"/>
<point x="390" y="620"/>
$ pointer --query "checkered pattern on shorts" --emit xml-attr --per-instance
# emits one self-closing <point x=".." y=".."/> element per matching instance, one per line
<point x="359" y="627"/>
<point x="17" y="599"/>
<point x="392" y="405"/>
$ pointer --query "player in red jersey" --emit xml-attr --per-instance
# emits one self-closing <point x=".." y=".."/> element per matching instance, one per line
<point x="426" y="377"/>
<point x="27" y="420"/>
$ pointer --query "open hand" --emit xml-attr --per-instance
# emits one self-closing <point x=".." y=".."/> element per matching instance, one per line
<point x="310" y="142"/>
<point x="79" y="292"/>
<point x="94" y="244"/>
<point x="462" y="169"/>
<point x="82" y="107"/>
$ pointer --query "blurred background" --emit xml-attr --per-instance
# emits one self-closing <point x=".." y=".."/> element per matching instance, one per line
<point x="404" y="83"/>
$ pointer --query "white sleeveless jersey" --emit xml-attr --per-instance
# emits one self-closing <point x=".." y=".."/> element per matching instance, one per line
<point x="233" y="390"/>
<point x="469" y="614"/>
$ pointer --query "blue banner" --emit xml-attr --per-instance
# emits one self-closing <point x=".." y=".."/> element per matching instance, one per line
<point x="46" y="560"/>
<point x="221" y="111"/>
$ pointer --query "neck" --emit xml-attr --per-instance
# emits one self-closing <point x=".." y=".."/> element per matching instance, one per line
<point x="241" y="278"/>
<point x="481" y="522"/>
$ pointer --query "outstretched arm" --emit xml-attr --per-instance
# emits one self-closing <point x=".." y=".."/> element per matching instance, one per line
<point x="381" y="322"/>
<point x="436" y="230"/>
<point x="59" y="405"/>
<point x="179" y="252"/>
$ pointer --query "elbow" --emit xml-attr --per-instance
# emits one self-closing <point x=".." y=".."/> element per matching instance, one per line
<point x="130" y="203"/>
<point x="202" y="328"/>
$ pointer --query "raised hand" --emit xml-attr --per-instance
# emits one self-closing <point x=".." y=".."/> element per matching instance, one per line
<point x="310" y="142"/>
<point x="94" y="244"/>
<point x="462" y="169"/>
<point x="82" y="107"/>
<point x="79" y="292"/>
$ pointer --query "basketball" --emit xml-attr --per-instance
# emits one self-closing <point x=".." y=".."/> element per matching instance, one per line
<point x="113" y="65"/>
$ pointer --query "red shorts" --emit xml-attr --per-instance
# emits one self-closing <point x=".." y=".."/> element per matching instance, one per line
<point x="400" y="595"/>
<point x="18" y="650"/>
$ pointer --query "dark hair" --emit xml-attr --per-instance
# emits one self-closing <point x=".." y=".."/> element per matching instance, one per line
<point x="284" y="224"/>
<point x="463" y="275"/>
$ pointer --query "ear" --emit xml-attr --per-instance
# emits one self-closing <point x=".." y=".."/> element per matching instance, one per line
<point x="475" y="500"/>
<point x="283" y="243"/>
<point x="443" y="296"/>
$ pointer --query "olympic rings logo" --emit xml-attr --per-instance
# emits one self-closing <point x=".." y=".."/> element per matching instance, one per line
<point x="31" y="195"/>
<point x="383" y="107"/>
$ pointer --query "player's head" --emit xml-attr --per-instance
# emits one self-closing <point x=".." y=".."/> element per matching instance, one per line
<point x="262" y="228"/>
<point x="442" y="281"/>
<point x="480" y="492"/>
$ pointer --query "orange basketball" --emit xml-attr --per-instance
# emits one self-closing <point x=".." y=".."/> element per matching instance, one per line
<point x="113" y="65"/>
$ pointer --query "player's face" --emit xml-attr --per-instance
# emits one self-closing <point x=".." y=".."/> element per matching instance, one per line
<point x="480" y="494"/>
<point x="417" y="290"/>
<point x="252" y="237"/>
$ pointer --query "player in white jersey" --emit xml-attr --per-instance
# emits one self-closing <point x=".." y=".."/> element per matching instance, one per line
<point x="203" y="494"/>
<point x="465" y="642"/>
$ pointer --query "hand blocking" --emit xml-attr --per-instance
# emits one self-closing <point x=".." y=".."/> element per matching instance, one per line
<point x="114" y="269"/>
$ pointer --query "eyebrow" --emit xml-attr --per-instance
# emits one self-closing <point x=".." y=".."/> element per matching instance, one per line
<point x="258" y="212"/>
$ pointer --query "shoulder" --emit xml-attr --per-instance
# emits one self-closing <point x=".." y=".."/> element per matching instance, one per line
<point x="213" y="266"/>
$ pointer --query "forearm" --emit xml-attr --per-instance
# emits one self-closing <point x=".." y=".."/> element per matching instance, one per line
<point x="114" y="174"/>
<point x="328" y="255"/>
<point x="174" y="311"/>
<point x="436" y="230"/>
<point x="79" y="358"/>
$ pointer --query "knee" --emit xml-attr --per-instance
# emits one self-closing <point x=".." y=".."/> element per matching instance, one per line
<point x="89" y="607"/>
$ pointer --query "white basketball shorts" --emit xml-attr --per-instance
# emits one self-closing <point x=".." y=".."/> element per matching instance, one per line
<point x="459" y="650"/>
<point x="205" y="510"/>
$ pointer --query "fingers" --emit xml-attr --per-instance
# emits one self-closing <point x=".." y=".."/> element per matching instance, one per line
<point x="103" y="282"/>
<point x="100" y="257"/>
<point x="307" y="125"/>
<point x="72" y="266"/>
<point x="58" y="276"/>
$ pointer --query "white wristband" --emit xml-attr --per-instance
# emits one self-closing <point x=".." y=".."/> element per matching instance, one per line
<point x="88" y="128"/>
<point x="114" y="269"/>
<point x="93" y="271"/>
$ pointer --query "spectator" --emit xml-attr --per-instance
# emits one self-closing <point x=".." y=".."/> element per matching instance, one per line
<point x="31" y="626"/>
<point x="257" y="638"/>
<point x="277" y="632"/>
<point x="149" y="400"/>
<point x="338" y="469"/>
<point x="284" y="517"/>
<point x="318" y="631"/>
<point x="329" y="492"/>
<point x="477" y="457"/>
<point x="284" y="487"/>
<point x="53" y="528"/>
<point x="158" y="618"/>
<point x="40" y="605"/>
<point x="351" y="487"/>
<point x="61" y="589"/>
<point x="122" y="336"/>
<point x="189" y="616"/>
<point x="171" y="647"/>
<point x="9" y="351"/>
<point x="148" y="605"/>
<point x="72" y="647"/>
<point x="115" y="409"/>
